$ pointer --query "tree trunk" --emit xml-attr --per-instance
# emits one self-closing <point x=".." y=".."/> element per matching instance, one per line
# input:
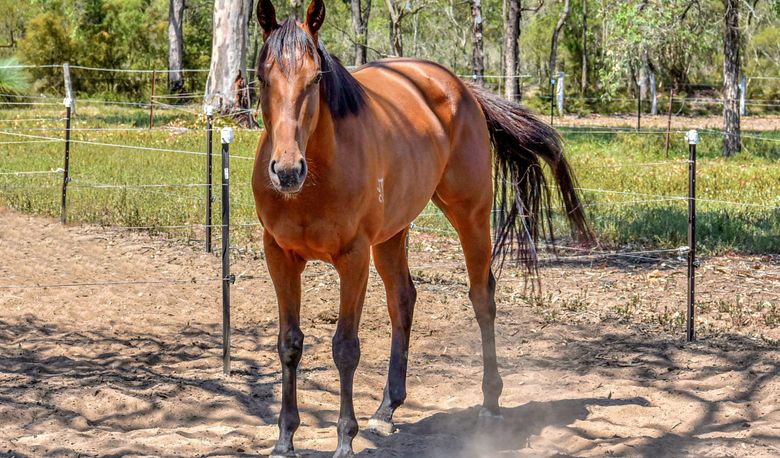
<point x="226" y="87"/>
<point x="644" y="75"/>
<point x="396" y="39"/>
<point x="512" y="27"/>
<point x="731" y="70"/>
<point x="556" y="32"/>
<point x="584" y="84"/>
<point x="477" y="44"/>
<point x="175" y="46"/>
<point x="296" y="9"/>
<point x="360" y="30"/>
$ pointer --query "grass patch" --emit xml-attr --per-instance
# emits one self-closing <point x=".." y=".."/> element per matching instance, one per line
<point x="632" y="217"/>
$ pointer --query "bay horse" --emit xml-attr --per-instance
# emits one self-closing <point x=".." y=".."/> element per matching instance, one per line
<point x="345" y="164"/>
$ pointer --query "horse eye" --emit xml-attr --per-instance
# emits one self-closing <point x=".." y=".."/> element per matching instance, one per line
<point x="317" y="78"/>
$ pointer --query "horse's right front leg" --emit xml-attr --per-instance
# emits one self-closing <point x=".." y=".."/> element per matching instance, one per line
<point x="285" y="268"/>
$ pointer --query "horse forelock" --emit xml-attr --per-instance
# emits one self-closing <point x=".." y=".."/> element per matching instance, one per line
<point x="289" y="44"/>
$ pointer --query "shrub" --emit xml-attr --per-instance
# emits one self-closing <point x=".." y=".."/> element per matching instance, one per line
<point x="46" y="42"/>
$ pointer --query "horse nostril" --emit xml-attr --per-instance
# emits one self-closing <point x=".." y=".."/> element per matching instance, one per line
<point x="273" y="167"/>
<point x="302" y="170"/>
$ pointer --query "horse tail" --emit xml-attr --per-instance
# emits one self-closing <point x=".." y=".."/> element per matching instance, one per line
<point x="522" y="201"/>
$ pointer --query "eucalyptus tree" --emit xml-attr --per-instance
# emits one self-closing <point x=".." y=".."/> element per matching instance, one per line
<point x="731" y="73"/>
<point x="175" y="45"/>
<point x="227" y="83"/>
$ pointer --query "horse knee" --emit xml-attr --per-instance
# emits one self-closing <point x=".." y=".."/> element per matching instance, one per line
<point x="346" y="352"/>
<point x="290" y="347"/>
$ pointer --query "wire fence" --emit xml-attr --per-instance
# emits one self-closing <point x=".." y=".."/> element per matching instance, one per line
<point x="145" y="78"/>
<point x="28" y="131"/>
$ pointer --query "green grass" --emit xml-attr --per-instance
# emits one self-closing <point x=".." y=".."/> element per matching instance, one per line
<point x="621" y="221"/>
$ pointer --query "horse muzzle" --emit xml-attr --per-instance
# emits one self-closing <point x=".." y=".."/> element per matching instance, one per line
<point x="287" y="179"/>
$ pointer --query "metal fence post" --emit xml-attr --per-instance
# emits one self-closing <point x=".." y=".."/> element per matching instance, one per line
<point x="227" y="277"/>
<point x="638" y="109"/>
<point x="66" y="165"/>
<point x="209" y="110"/>
<point x="743" y="96"/>
<point x="552" y="100"/>
<point x="693" y="138"/>
<point x="151" y="99"/>
<point x="69" y="111"/>
<point x="561" y="88"/>
<point x="654" y="95"/>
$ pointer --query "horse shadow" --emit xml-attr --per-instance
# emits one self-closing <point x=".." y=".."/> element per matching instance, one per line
<point x="459" y="433"/>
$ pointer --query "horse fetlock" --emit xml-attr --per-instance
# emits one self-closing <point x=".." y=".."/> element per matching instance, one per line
<point x="289" y="423"/>
<point x="397" y="396"/>
<point x="347" y="428"/>
<point x="283" y="450"/>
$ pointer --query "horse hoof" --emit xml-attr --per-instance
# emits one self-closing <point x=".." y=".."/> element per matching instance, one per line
<point x="346" y="453"/>
<point x="277" y="454"/>
<point x="380" y="427"/>
<point x="488" y="419"/>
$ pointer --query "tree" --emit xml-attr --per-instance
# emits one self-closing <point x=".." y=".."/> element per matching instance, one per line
<point x="584" y="83"/>
<point x="175" y="45"/>
<point x="512" y="27"/>
<point x="398" y="11"/>
<point x="556" y="31"/>
<point x="296" y="8"/>
<point x="360" y="18"/>
<point x="511" y="36"/>
<point x="226" y="86"/>
<point x="477" y="43"/>
<point x="731" y="71"/>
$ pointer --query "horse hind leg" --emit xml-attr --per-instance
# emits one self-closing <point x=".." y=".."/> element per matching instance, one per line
<point x="472" y="222"/>
<point x="392" y="264"/>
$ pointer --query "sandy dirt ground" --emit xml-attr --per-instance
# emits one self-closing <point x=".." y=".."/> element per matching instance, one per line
<point x="598" y="367"/>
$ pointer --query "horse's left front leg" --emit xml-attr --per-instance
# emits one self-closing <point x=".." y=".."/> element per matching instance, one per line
<point x="352" y="268"/>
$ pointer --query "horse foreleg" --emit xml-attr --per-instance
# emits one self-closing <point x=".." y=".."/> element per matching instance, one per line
<point x="391" y="262"/>
<point x="352" y="268"/>
<point x="285" y="269"/>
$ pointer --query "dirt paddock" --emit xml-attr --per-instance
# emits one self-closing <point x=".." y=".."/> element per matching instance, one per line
<point x="597" y="368"/>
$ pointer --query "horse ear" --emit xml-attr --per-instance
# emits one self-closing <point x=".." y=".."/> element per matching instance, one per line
<point x="266" y="17"/>
<point x="315" y="16"/>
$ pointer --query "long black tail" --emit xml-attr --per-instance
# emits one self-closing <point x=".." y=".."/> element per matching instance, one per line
<point x="522" y="201"/>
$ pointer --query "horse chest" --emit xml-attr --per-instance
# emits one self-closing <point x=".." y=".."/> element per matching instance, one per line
<point x="310" y="238"/>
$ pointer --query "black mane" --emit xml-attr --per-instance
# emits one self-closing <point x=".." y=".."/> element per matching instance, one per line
<point x="341" y="91"/>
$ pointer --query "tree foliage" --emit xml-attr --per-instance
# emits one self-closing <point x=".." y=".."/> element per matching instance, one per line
<point x="680" y="41"/>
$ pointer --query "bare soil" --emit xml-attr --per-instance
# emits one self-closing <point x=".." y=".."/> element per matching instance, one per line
<point x="597" y="366"/>
<point x="754" y="123"/>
